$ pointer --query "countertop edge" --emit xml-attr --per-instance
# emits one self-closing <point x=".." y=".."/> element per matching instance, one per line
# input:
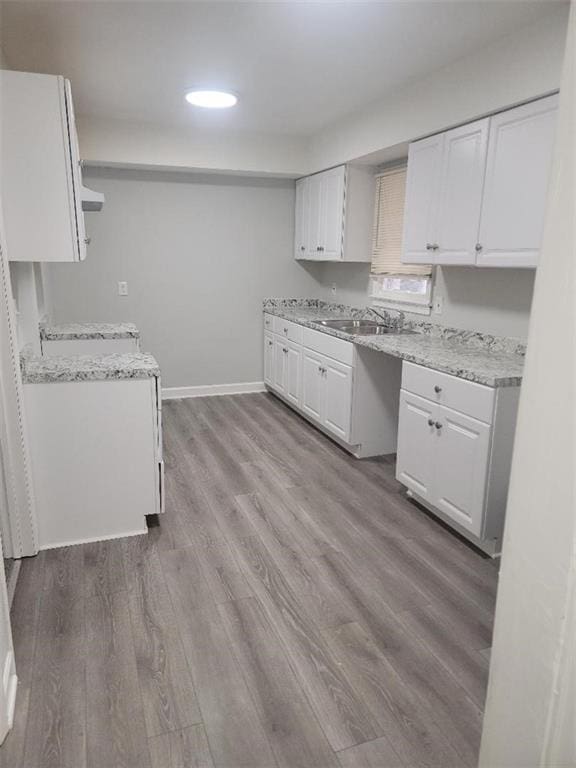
<point x="494" y="382"/>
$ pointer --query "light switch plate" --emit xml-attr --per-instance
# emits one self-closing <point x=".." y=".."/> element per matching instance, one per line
<point x="122" y="288"/>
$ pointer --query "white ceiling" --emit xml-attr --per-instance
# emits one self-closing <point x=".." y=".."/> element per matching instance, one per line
<point x="296" y="66"/>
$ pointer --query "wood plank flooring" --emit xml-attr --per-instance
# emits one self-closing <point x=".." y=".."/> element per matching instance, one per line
<point x="292" y="609"/>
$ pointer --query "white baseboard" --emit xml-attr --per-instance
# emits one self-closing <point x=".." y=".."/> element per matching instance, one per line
<point x="210" y="390"/>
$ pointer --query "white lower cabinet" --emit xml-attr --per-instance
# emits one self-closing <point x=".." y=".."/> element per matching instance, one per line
<point x="337" y="397"/>
<point x="463" y="452"/>
<point x="96" y="456"/>
<point x="312" y="385"/>
<point x="268" y="358"/>
<point x="455" y="463"/>
<point x="416" y="446"/>
<point x="287" y="369"/>
<point x="344" y="390"/>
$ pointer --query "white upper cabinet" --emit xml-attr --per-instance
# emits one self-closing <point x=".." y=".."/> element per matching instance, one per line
<point x="334" y="212"/>
<point x="461" y="182"/>
<point x="40" y="169"/>
<point x="517" y="173"/>
<point x="302" y="218"/>
<point x="476" y="195"/>
<point x="422" y="190"/>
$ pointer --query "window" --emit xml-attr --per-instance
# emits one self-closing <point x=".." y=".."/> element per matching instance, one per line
<point x="392" y="283"/>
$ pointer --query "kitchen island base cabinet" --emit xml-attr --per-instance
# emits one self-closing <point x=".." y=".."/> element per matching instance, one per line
<point x="455" y="446"/>
<point x="96" y="458"/>
<point x="350" y="393"/>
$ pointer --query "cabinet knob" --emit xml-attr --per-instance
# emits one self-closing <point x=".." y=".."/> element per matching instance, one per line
<point x="438" y="425"/>
<point x="87" y="240"/>
<point x="285" y="350"/>
<point x="285" y="330"/>
<point x="478" y="247"/>
<point x="437" y="389"/>
<point x="302" y="247"/>
<point x="429" y="246"/>
<point x="269" y="343"/>
<point x="435" y="246"/>
<point x="430" y="422"/>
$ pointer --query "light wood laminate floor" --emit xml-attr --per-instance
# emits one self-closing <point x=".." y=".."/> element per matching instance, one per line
<point x="291" y="609"/>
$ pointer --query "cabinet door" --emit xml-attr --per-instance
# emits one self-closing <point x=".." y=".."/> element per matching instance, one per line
<point x="314" y="235"/>
<point x="416" y="453"/>
<point x="293" y="372"/>
<point x="268" y="358"/>
<point x="462" y="447"/>
<point x="302" y="221"/>
<point x="461" y="185"/>
<point x="312" y="385"/>
<point x="332" y="185"/>
<point x="517" y="173"/>
<point x="279" y="375"/>
<point x="337" y="397"/>
<point x="76" y="174"/>
<point x="422" y="187"/>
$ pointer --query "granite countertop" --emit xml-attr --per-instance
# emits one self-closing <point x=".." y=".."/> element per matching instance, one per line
<point x="68" y="331"/>
<point x="110" y="367"/>
<point x="494" y="361"/>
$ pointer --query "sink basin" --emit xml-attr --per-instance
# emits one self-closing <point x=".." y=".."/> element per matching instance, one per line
<point x="361" y="327"/>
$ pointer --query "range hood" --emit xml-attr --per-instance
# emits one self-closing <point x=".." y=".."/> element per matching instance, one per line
<point x="91" y="200"/>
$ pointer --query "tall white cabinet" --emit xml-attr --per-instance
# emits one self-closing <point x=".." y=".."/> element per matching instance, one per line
<point x="334" y="212"/>
<point x="40" y="169"/>
<point x="476" y="195"/>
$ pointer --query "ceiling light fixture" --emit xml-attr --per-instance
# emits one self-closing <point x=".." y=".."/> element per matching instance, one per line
<point x="211" y="99"/>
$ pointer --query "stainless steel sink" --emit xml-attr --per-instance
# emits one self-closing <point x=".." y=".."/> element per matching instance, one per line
<point x="360" y="327"/>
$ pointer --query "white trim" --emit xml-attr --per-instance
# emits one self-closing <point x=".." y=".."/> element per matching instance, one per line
<point x="402" y="306"/>
<point x="92" y="539"/>
<point x="210" y="390"/>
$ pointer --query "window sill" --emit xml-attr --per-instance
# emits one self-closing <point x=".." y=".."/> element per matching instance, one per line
<point x="401" y="306"/>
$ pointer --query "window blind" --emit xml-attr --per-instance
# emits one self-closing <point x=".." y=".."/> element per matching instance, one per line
<point x="388" y="224"/>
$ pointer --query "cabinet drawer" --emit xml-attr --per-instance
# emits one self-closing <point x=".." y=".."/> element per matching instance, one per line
<point x="288" y="330"/>
<point x="467" y="397"/>
<point x="268" y="322"/>
<point x="337" y="349"/>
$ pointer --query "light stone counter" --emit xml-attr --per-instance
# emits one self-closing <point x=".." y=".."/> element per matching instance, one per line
<point x="495" y="361"/>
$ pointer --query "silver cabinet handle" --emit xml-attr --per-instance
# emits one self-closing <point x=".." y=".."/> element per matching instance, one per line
<point x="438" y="425"/>
<point x="478" y="247"/>
<point x="430" y="422"/>
<point x="437" y="389"/>
<point x="87" y="240"/>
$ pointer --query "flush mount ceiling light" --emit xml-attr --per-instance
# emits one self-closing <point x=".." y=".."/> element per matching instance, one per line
<point x="211" y="99"/>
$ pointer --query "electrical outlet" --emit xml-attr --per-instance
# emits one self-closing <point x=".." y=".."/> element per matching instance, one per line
<point x="438" y="305"/>
<point x="122" y="288"/>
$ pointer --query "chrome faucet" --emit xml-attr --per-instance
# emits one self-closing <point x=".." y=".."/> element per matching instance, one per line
<point x="395" y="322"/>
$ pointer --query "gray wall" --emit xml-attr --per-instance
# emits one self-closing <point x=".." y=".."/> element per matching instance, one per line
<point x="199" y="254"/>
<point x="489" y="300"/>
